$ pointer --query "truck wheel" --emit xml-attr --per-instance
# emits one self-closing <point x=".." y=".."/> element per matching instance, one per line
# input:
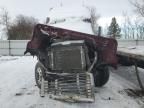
<point x="38" y="74"/>
<point x="101" y="76"/>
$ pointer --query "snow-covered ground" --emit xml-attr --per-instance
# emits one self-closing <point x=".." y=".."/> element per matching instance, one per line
<point x="18" y="89"/>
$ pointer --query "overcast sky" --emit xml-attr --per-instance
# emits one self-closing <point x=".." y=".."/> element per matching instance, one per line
<point x="40" y="8"/>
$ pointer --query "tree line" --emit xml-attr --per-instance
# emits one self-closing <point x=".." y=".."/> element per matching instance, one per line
<point x="130" y="29"/>
<point x="20" y="28"/>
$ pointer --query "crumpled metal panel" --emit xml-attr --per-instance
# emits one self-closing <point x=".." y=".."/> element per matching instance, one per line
<point x="106" y="47"/>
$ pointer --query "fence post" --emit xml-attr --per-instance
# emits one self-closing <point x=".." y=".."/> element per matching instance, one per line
<point x="9" y="47"/>
<point x="136" y="42"/>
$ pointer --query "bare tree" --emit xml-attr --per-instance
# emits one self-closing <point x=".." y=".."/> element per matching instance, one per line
<point x="132" y="28"/>
<point x="22" y="27"/>
<point x="139" y="6"/>
<point x="5" y="19"/>
<point x="127" y="26"/>
<point x="94" y="19"/>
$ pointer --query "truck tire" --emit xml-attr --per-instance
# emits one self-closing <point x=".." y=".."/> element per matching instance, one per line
<point x="101" y="76"/>
<point x="38" y="74"/>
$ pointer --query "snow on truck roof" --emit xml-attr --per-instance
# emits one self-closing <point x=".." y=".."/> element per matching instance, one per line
<point x="70" y="17"/>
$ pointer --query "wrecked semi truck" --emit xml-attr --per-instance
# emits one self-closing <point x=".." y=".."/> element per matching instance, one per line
<point x="70" y="64"/>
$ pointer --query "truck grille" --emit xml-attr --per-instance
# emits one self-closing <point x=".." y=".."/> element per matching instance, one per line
<point x="68" y="58"/>
<point x="73" y="87"/>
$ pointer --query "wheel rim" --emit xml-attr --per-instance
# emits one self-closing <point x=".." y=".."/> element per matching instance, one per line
<point x="39" y="75"/>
